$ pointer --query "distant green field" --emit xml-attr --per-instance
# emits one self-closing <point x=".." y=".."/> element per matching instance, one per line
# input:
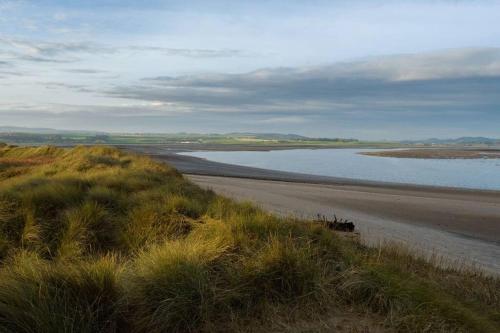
<point x="121" y="139"/>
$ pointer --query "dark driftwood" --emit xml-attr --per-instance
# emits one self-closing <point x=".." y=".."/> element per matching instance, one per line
<point x="336" y="224"/>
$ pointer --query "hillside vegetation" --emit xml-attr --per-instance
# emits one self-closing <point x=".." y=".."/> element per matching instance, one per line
<point x="54" y="137"/>
<point x="98" y="240"/>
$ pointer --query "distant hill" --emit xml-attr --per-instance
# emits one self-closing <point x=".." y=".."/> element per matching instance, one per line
<point x="34" y="130"/>
<point x="466" y="140"/>
<point x="269" y="136"/>
<point x="280" y="136"/>
<point x="10" y="130"/>
<point x="461" y="140"/>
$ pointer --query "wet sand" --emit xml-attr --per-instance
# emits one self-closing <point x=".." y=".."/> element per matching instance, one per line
<point x="460" y="225"/>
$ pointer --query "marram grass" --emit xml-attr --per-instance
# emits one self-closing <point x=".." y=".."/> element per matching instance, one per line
<point x="93" y="239"/>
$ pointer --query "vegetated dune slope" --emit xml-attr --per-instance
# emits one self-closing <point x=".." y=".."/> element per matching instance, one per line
<point x="93" y="239"/>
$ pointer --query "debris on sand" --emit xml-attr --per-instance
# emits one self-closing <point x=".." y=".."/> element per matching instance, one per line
<point x="336" y="224"/>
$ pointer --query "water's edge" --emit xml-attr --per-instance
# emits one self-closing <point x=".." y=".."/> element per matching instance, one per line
<point x="349" y="164"/>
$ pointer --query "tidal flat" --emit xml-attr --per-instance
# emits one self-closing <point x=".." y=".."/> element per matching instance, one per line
<point x="438" y="153"/>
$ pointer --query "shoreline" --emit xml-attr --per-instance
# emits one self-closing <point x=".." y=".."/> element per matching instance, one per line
<point x="462" y="225"/>
<point x="204" y="167"/>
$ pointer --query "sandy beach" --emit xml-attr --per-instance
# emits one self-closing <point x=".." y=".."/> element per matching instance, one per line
<point x="460" y="225"/>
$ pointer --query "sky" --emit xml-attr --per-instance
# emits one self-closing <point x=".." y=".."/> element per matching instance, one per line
<point x="377" y="70"/>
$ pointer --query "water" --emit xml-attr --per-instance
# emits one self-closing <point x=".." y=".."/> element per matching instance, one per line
<point x="347" y="163"/>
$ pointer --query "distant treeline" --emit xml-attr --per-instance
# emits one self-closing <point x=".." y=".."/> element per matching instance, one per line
<point x="333" y="140"/>
<point x="82" y="138"/>
<point x="25" y="138"/>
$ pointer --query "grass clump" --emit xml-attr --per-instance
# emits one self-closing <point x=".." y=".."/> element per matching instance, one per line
<point x="282" y="271"/>
<point x="173" y="286"/>
<point x="40" y="296"/>
<point x="93" y="239"/>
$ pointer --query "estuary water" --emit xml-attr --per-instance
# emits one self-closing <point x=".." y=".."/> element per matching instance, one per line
<point x="348" y="163"/>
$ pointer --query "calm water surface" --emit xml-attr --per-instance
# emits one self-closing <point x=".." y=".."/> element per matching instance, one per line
<point x="347" y="163"/>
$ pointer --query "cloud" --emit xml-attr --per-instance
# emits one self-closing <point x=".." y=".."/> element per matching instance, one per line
<point x="40" y="49"/>
<point x="74" y="87"/>
<point x="7" y="69"/>
<point x="452" y="79"/>
<point x="54" y="48"/>
<point x="60" y="16"/>
<point x="454" y="63"/>
<point x="46" y="60"/>
<point x="71" y="110"/>
<point x="85" y="71"/>
<point x="8" y="4"/>
<point x="49" y="52"/>
<point x="66" y="52"/>
<point x="11" y="73"/>
<point x="71" y="41"/>
<point x="283" y="120"/>
<point x="190" y="53"/>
